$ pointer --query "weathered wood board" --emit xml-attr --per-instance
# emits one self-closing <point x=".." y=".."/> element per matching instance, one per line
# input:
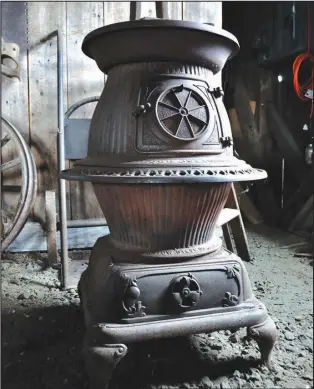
<point x="204" y="12"/>
<point x="174" y="10"/>
<point x="14" y="95"/>
<point x="84" y="79"/>
<point x="43" y="93"/>
<point x="34" y="238"/>
<point x="116" y="11"/>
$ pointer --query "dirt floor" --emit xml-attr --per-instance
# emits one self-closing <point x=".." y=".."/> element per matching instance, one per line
<point x="42" y="331"/>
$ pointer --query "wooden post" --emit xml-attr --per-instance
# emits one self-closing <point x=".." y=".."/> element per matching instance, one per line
<point x="51" y="227"/>
<point x="247" y="207"/>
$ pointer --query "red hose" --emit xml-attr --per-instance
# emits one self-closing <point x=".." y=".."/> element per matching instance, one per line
<point x="300" y="59"/>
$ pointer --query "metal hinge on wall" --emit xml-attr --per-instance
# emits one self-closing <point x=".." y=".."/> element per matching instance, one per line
<point x="9" y="59"/>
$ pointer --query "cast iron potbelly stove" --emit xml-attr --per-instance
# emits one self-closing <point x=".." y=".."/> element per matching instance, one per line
<point x="161" y="163"/>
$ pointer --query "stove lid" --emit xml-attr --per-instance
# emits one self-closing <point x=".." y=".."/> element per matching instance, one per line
<point x="149" y="39"/>
<point x="159" y="23"/>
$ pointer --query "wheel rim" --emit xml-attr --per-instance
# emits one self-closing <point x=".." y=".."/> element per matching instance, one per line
<point x="29" y="182"/>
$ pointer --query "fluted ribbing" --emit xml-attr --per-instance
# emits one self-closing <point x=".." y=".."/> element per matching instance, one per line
<point x="113" y="116"/>
<point x="162" y="217"/>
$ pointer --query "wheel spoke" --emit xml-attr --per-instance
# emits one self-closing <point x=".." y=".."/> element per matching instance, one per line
<point x="26" y="197"/>
<point x="11" y="164"/>
<point x="190" y="127"/>
<point x="194" y="109"/>
<point x="5" y="140"/>
<point x="170" y="116"/>
<point x="197" y="119"/>
<point x="176" y="97"/>
<point x="178" y="129"/>
<point x="185" y="129"/>
<point x="169" y="106"/>
<point x="187" y="99"/>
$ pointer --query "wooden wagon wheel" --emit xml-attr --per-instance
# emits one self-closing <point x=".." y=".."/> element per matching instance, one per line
<point x="21" y="162"/>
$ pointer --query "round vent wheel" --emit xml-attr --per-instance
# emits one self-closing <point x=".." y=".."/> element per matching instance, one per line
<point x="183" y="113"/>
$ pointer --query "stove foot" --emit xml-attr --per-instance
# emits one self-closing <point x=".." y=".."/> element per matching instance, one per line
<point x="101" y="362"/>
<point x="265" y="336"/>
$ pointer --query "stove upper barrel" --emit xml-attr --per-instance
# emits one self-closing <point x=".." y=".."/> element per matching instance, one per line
<point x="161" y="116"/>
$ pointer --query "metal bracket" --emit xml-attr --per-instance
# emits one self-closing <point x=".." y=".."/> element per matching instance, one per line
<point x="309" y="94"/>
<point x="216" y="92"/>
<point x="226" y="141"/>
<point x="10" y="51"/>
<point x="142" y="109"/>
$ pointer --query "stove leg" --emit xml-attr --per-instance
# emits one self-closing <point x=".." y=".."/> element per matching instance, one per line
<point x="265" y="336"/>
<point x="101" y="362"/>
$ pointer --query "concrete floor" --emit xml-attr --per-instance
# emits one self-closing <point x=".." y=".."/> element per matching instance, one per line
<point x="42" y="331"/>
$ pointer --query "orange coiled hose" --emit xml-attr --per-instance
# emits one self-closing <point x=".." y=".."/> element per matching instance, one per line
<point x="300" y="59"/>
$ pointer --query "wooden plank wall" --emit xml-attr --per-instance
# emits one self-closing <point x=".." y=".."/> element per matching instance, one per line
<point x="43" y="21"/>
<point x="82" y="82"/>
<point x="14" y="94"/>
<point x="32" y="102"/>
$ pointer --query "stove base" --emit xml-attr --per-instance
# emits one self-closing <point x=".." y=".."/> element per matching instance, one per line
<point x="103" y="350"/>
<point x="127" y="303"/>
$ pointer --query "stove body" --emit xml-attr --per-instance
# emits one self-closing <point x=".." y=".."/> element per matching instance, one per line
<point x="161" y="163"/>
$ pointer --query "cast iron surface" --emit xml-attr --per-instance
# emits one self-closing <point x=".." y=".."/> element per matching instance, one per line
<point x="144" y="41"/>
<point x="23" y="161"/>
<point x="143" y="137"/>
<point x="116" y="291"/>
<point x="184" y="292"/>
<point x="176" y="175"/>
<point x="161" y="122"/>
<point x="127" y="303"/>
<point x="182" y="113"/>
<point x="156" y="219"/>
<point x="160" y="101"/>
<point x="128" y="254"/>
<point x="104" y="343"/>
